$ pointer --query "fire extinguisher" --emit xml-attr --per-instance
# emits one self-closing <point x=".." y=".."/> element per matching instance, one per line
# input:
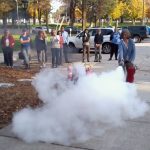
<point x="130" y="74"/>
<point x="70" y="72"/>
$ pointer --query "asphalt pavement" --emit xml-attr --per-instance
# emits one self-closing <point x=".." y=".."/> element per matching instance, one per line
<point x="134" y="135"/>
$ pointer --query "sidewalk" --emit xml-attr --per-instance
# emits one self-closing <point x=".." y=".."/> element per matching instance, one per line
<point x="134" y="135"/>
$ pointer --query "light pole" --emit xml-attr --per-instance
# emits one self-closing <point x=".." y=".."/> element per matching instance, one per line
<point x="25" y="6"/>
<point x="17" y="14"/>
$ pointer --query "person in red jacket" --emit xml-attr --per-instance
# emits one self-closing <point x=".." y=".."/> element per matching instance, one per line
<point x="8" y="43"/>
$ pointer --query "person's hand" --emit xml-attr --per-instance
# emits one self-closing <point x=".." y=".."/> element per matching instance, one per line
<point x="121" y="63"/>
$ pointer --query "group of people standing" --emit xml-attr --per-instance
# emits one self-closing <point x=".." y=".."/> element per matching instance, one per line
<point x="58" y="44"/>
<point x="121" y="45"/>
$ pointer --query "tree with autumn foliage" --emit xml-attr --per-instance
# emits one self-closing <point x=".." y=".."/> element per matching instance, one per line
<point x="135" y="8"/>
<point x="39" y="8"/>
<point x="118" y="10"/>
<point x="5" y="8"/>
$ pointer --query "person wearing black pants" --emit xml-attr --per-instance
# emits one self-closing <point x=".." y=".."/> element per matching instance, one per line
<point x="115" y="39"/>
<point x="8" y="55"/>
<point x="7" y="43"/>
<point x="114" y="50"/>
<point x="98" y="40"/>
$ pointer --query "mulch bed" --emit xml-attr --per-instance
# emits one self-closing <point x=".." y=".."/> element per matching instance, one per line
<point x="21" y="95"/>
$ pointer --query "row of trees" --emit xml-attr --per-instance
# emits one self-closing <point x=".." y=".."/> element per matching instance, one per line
<point x="96" y="9"/>
<point x="35" y="9"/>
<point x="110" y="9"/>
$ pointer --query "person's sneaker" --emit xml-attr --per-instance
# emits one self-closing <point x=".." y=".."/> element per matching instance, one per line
<point x="109" y="59"/>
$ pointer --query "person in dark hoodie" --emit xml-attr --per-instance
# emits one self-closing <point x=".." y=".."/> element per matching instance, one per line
<point x="98" y="40"/>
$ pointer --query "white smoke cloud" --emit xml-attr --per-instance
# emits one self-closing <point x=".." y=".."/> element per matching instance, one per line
<point x="76" y="112"/>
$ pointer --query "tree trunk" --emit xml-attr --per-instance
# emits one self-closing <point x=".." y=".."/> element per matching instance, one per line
<point x="72" y="12"/>
<point x="122" y="19"/>
<point x="13" y="21"/>
<point x="4" y="20"/>
<point x="47" y="20"/>
<point x="83" y="14"/>
<point x="39" y="16"/>
<point x="34" y="17"/>
<point x="133" y="21"/>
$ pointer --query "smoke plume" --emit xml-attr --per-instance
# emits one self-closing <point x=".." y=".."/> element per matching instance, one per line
<point x="76" y="112"/>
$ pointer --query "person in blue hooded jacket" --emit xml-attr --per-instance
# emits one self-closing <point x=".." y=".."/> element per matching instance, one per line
<point x="126" y="51"/>
<point x="115" y="40"/>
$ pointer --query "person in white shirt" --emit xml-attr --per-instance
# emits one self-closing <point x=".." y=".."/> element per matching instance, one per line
<point x="65" y="44"/>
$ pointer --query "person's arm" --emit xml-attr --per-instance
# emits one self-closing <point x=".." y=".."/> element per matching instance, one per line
<point x="67" y="38"/>
<point x="24" y="41"/>
<point x="36" y="42"/>
<point x="133" y="52"/>
<point x="120" y="54"/>
<point x="13" y="41"/>
<point x="95" y="39"/>
<point x="2" y="42"/>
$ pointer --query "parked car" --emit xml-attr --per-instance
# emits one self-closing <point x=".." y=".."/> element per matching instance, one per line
<point x="40" y="28"/>
<point x="72" y="30"/>
<point x="148" y="30"/>
<point x="75" y="42"/>
<point x="138" y="33"/>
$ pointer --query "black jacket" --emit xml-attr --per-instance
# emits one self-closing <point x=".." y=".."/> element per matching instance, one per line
<point x="86" y="37"/>
<point x="40" y="44"/>
<point x="98" y="39"/>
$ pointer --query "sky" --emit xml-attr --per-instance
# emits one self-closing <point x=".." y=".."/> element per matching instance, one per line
<point x="55" y="5"/>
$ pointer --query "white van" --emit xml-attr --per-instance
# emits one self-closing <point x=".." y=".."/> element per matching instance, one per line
<point x="75" y="42"/>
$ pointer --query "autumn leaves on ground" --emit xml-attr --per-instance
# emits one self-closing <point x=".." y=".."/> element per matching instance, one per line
<point x="20" y="95"/>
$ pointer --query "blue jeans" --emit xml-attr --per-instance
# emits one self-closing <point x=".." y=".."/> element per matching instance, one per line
<point x="26" y="53"/>
<point x="55" y="56"/>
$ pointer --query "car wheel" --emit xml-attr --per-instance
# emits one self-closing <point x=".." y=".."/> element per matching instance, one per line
<point x="106" y="48"/>
<point x="136" y="39"/>
<point x="72" y="48"/>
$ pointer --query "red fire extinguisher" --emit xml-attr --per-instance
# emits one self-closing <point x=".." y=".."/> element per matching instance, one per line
<point x="130" y="74"/>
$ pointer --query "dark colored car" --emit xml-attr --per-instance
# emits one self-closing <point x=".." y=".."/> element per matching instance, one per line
<point x="138" y="33"/>
<point x="149" y="30"/>
<point x="72" y="30"/>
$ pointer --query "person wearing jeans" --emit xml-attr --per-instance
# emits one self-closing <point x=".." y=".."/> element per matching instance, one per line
<point x="61" y="41"/>
<point x="126" y="55"/>
<point x="25" y="47"/>
<point x="8" y="43"/>
<point x="41" y="47"/>
<point x="55" y="49"/>
<point x="65" y="44"/>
